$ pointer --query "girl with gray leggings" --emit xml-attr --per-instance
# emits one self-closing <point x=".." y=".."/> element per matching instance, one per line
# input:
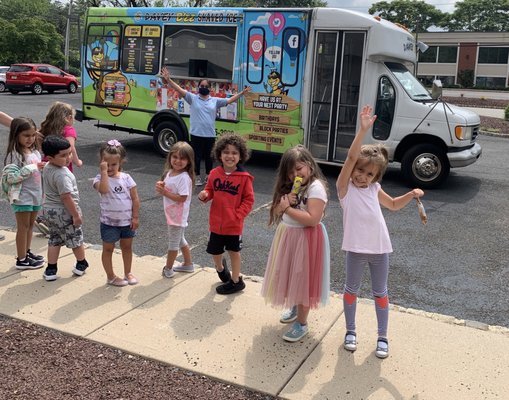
<point x="365" y="236"/>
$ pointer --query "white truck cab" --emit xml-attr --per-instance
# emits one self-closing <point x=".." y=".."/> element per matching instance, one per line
<point x="422" y="132"/>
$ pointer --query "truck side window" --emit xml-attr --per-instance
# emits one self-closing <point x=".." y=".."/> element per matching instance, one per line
<point x="384" y="109"/>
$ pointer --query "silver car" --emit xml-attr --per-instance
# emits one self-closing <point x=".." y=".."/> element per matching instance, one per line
<point x="3" y="70"/>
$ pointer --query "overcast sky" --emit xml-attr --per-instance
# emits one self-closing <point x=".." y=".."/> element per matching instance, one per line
<point x="363" y="5"/>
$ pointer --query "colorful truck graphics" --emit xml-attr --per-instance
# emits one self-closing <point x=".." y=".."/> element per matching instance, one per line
<point x="309" y="70"/>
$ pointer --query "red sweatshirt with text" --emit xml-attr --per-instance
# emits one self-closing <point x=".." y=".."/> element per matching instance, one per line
<point x="232" y="199"/>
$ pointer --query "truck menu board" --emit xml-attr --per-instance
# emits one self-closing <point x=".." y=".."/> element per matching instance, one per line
<point x="140" y="53"/>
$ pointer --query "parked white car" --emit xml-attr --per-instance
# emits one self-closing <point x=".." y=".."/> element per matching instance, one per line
<point x="3" y="70"/>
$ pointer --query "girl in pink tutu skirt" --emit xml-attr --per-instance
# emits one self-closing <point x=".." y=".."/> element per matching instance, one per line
<point x="298" y="268"/>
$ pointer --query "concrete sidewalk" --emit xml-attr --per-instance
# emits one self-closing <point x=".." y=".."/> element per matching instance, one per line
<point x="183" y="322"/>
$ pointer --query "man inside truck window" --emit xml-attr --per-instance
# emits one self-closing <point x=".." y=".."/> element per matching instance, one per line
<point x="202" y="119"/>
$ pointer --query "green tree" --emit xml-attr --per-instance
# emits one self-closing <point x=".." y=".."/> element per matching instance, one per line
<point x="30" y="40"/>
<point x="415" y="15"/>
<point x="479" y="16"/>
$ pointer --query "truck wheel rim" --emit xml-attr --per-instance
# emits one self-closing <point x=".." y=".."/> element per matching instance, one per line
<point x="427" y="167"/>
<point x="167" y="138"/>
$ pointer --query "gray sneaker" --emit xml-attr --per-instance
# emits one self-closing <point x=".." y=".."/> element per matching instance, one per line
<point x="184" y="268"/>
<point x="168" y="272"/>
<point x="289" y="315"/>
<point x="198" y="181"/>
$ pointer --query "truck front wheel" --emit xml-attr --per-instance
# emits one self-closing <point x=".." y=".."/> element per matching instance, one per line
<point x="166" y="134"/>
<point x="425" y="166"/>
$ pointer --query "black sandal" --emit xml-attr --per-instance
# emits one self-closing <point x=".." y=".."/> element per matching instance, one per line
<point x="381" y="350"/>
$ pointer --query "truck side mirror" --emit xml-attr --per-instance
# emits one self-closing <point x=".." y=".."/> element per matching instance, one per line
<point x="436" y="89"/>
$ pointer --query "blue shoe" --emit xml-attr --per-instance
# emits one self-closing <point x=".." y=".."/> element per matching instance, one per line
<point x="296" y="332"/>
<point x="289" y="315"/>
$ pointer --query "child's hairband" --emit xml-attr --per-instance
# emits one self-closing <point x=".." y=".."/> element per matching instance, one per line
<point x="114" y="142"/>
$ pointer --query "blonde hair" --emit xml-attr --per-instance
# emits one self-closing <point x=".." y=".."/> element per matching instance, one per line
<point x="184" y="150"/>
<point x="374" y="154"/>
<point x="55" y="120"/>
<point x="283" y="183"/>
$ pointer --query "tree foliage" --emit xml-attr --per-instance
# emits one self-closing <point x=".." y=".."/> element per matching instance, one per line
<point x="479" y="16"/>
<point x="415" y="15"/>
<point x="28" y="32"/>
<point x="270" y="3"/>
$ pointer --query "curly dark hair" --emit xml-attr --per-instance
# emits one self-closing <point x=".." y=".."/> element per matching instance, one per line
<point x="237" y="141"/>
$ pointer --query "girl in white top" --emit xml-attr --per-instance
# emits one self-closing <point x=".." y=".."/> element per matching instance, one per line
<point x="365" y="236"/>
<point x="22" y="175"/>
<point x="177" y="189"/>
<point x="120" y="211"/>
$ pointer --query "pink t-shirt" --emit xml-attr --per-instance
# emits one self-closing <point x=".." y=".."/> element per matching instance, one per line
<point x="177" y="213"/>
<point x="364" y="228"/>
<point x="68" y="132"/>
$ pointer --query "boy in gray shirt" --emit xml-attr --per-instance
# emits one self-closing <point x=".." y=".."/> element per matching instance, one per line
<point x="60" y="206"/>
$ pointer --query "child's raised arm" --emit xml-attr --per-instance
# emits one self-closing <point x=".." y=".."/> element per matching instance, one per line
<point x="103" y="185"/>
<point x="366" y="121"/>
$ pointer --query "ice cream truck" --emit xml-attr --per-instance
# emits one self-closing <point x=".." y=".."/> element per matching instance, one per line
<point x="309" y="69"/>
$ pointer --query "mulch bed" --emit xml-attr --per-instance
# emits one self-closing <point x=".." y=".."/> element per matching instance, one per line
<point x="43" y="364"/>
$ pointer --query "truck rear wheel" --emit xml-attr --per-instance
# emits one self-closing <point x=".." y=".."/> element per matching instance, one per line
<point x="166" y="134"/>
<point x="425" y="166"/>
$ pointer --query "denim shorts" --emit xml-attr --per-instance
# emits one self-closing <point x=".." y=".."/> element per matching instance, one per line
<point x="112" y="234"/>
<point x="23" y="208"/>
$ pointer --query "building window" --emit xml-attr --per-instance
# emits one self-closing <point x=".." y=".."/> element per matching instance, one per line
<point x="429" y="56"/>
<point x="490" y="82"/>
<point x="439" y="54"/>
<point x="493" y="55"/>
<point x="447" y="54"/>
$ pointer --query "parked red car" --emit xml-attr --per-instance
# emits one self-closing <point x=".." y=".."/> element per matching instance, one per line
<point x="39" y="77"/>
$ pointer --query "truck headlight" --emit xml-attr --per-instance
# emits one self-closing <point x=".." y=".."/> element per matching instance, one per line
<point x="463" y="132"/>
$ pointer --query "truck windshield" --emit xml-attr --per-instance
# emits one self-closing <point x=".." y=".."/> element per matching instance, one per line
<point x="411" y="85"/>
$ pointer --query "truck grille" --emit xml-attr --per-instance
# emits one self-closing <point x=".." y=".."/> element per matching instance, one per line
<point x="475" y="132"/>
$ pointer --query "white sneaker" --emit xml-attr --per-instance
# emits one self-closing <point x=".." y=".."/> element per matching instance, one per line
<point x="168" y="272"/>
<point x="198" y="181"/>
<point x="184" y="268"/>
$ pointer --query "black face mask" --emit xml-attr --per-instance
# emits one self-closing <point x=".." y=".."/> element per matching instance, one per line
<point x="203" y="91"/>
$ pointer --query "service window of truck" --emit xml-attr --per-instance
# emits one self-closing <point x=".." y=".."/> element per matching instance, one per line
<point x="310" y="70"/>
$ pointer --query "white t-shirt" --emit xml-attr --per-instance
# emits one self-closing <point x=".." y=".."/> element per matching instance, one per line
<point x="315" y="191"/>
<point x="116" y="205"/>
<point x="364" y="228"/>
<point x="177" y="213"/>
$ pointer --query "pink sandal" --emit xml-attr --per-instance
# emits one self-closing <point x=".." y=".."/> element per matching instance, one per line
<point x="131" y="279"/>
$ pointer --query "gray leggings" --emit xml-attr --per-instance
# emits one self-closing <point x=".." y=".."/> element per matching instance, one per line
<point x="379" y="268"/>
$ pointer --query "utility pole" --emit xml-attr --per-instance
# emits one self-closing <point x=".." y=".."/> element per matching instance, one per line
<point x="67" y="34"/>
